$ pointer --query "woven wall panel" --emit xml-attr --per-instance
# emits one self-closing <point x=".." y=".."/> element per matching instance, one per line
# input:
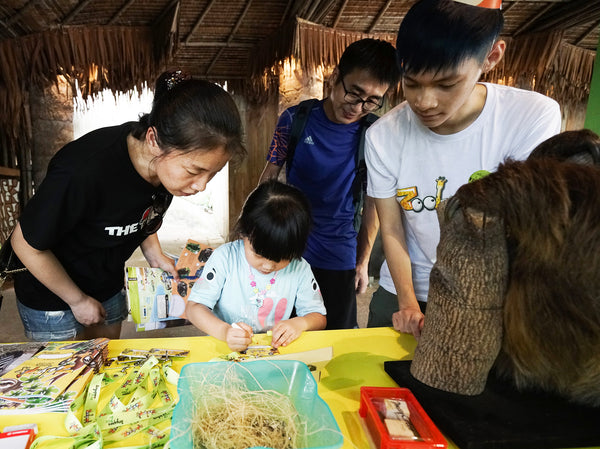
<point x="9" y="206"/>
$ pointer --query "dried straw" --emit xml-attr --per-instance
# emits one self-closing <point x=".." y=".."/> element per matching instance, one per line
<point x="228" y="415"/>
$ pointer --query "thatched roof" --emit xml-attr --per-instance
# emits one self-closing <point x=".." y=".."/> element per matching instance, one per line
<point x="119" y="44"/>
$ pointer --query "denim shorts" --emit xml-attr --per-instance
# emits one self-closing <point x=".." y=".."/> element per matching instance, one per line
<point x="61" y="325"/>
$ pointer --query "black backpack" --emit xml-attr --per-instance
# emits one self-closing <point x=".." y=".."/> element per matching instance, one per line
<point x="359" y="186"/>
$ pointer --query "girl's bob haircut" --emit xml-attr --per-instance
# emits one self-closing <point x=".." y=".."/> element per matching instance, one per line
<point x="276" y="219"/>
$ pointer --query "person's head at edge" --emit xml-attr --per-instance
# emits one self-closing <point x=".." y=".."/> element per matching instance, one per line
<point x="193" y="130"/>
<point x="275" y="222"/>
<point x="365" y="72"/>
<point x="580" y="146"/>
<point x="442" y="49"/>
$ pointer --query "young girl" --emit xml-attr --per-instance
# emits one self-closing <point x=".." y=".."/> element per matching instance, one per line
<point x="104" y="195"/>
<point x="252" y="284"/>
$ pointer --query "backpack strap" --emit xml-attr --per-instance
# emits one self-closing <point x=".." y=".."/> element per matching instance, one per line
<point x="359" y="185"/>
<point x="360" y="180"/>
<point x="298" y="124"/>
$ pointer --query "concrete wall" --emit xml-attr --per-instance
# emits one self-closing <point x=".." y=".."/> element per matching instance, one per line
<point x="52" y="123"/>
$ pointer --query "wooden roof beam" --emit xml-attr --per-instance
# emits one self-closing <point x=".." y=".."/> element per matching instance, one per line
<point x="230" y="37"/>
<point x="284" y="16"/>
<point x="564" y="16"/>
<point x="528" y="23"/>
<point x="324" y="11"/>
<point x="188" y="39"/>
<point x="20" y="12"/>
<point x="508" y="7"/>
<point x="339" y="14"/>
<point x="218" y="44"/>
<point x="380" y="14"/>
<point x="313" y="11"/>
<point x="587" y="32"/>
<point x="9" y="29"/>
<point x="165" y="11"/>
<point x="120" y="12"/>
<point x="82" y="4"/>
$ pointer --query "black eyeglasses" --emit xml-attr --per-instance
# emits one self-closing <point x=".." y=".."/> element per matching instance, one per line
<point x="354" y="99"/>
<point x="153" y="217"/>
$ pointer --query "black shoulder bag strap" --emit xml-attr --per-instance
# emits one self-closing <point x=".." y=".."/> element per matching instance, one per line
<point x="359" y="185"/>
<point x="360" y="179"/>
<point x="298" y="125"/>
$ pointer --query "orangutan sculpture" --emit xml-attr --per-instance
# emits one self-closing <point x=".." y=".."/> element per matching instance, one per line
<point x="516" y="284"/>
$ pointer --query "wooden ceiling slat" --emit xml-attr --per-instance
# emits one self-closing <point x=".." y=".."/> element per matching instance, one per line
<point x="380" y="14"/>
<point x="20" y="12"/>
<point x="8" y="28"/>
<point x="563" y="16"/>
<point x="120" y="12"/>
<point x="82" y="4"/>
<point x="587" y="32"/>
<point x="339" y="14"/>
<point x="165" y="11"/>
<point x="536" y="16"/>
<point x="324" y="11"/>
<point x="231" y="35"/>
<point x="204" y="44"/>
<point x="287" y="10"/>
<point x="199" y="21"/>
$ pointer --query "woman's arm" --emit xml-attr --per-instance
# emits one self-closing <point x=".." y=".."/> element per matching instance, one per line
<point x="409" y="317"/>
<point x="153" y="253"/>
<point x="46" y="268"/>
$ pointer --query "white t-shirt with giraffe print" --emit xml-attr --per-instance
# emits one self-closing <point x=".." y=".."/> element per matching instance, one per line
<point x="407" y="160"/>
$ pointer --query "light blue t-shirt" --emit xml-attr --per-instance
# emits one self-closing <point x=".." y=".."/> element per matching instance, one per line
<point x="238" y="293"/>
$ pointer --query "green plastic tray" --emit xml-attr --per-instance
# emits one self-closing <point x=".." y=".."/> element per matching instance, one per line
<point x="289" y="377"/>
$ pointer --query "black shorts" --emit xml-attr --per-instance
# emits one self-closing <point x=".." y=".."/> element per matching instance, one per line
<point x="339" y="296"/>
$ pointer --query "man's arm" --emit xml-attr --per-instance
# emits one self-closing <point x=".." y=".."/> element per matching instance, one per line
<point x="409" y="317"/>
<point x="271" y="171"/>
<point x="366" y="238"/>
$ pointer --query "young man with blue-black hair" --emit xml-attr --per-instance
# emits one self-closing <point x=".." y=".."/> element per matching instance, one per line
<point x="450" y="127"/>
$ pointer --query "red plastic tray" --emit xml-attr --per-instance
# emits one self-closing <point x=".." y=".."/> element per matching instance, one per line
<point x="430" y="436"/>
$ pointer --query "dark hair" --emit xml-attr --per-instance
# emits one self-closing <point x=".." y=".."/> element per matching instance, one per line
<point x="375" y="56"/>
<point x="276" y="220"/>
<point x="166" y="81"/>
<point x="581" y="146"/>
<point x="441" y="34"/>
<point x="190" y="114"/>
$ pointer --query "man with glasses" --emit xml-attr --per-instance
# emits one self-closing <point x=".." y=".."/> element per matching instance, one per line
<point x="325" y="166"/>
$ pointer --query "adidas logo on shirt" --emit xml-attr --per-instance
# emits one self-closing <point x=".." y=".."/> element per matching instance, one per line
<point x="308" y="140"/>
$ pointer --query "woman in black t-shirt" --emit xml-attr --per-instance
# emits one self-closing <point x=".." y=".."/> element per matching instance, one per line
<point x="104" y="195"/>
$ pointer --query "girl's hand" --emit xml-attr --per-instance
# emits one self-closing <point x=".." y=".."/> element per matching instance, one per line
<point x="287" y="331"/>
<point x="239" y="336"/>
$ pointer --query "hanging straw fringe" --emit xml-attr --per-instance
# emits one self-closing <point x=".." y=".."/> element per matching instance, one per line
<point x="311" y="45"/>
<point x="547" y="64"/>
<point x="117" y="58"/>
<point x="570" y="74"/>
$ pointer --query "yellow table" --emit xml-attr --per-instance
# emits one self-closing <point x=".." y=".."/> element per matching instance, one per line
<point x="358" y="356"/>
